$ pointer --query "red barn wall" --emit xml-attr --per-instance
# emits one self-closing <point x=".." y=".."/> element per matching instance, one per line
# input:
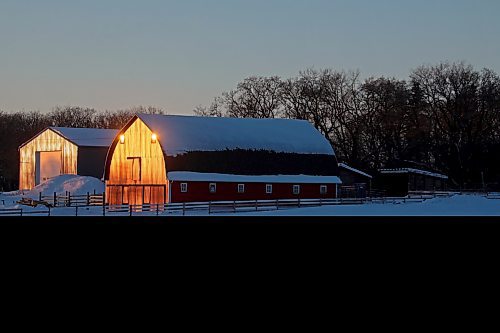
<point x="199" y="191"/>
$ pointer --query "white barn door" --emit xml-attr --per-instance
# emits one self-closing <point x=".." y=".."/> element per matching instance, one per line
<point x="47" y="165"/>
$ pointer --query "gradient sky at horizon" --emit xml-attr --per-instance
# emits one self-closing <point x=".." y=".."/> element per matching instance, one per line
<point x="112" y="54"/>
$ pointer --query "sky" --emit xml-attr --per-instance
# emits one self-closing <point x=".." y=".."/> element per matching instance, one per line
<point x="177" y="54"/>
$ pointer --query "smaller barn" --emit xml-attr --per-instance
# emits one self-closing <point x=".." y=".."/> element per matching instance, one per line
<point x="401" y="181"/>
<point x="63" y="150"/>
<point x="355" y="183"/>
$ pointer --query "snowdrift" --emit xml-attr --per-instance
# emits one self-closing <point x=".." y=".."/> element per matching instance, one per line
<point x="68" y="183"/>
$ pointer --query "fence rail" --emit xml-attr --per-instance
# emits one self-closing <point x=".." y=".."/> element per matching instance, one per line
<point x="93" y="204"/>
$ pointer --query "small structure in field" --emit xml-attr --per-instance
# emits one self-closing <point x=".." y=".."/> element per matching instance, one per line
<point x="63" y="150"/>
<point x="168" y="158"/>
<point x="401" y="181"/>
<point x="355" y="183"/>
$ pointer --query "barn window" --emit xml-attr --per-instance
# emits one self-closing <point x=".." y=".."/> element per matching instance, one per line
<point x="184" y="187"/>
<point x="269" y="188"/>
<point x="296" y="189"/>
<point x="212" y="187"/>
<point x="134" y="168"/>
<point x="323" y="189"/>
<point x="241" y="188"/>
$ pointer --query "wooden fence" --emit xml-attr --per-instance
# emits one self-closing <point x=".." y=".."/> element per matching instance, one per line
<point x="93" y="204"/>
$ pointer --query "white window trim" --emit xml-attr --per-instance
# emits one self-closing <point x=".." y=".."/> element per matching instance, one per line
<point x="184" y="187"/>
<point x="210" y="187"/>
<point x="296" y="187"/>
<point x="321" y="187"/>
<point x="270" y="186"/>
<point x="238" y="188"/>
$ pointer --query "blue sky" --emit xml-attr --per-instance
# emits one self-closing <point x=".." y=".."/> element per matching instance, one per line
<point x="111" y="54"/>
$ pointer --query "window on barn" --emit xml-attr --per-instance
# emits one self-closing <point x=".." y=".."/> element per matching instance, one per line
<point x="323" y="189"/>
<point x="296" y="189"/>
<point x="134" y="168"/>
<point x="212" y="187"/>
<point x="269" y="188"/>
<point x="241" y="188"/>
<point x="184" y="187"/>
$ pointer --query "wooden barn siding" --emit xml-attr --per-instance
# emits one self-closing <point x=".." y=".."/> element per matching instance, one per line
<point x="253" y="162"/>
<point x="137" y="144"/>
<point x="199" y="191"/>
<point x="46" y="141"/>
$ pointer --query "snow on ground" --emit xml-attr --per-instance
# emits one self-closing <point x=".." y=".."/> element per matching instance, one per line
<point x="457" y="205"/>
<point x="73" y="183"/>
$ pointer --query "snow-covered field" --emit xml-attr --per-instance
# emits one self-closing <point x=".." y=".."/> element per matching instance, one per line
<point x="457" y="205"/>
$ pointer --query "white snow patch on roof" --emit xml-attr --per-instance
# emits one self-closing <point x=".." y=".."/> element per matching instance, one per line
<point x="90" y="137"/>
<point x="417" y="171"/>
<point x="180" y="134"/>
<point x="345" y="166"/>
<point x="219" y="177"/>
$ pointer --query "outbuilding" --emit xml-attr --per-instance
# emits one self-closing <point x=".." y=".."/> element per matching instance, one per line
<point x="355" y="183"/>
<point x="63" y="150"/>
<point x="170" y="158"/>
<point x="401" y="181"/>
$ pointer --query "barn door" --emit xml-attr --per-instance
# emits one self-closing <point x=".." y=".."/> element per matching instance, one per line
<point x="47" y="165"/>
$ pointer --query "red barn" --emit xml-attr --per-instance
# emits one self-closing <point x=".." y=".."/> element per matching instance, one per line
<point x="167" y="158"/>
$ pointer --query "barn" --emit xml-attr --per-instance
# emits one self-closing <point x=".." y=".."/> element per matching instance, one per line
<point x="63" y="150"/>
<point x="170" y="158"/>
<point x="355" y="183"/>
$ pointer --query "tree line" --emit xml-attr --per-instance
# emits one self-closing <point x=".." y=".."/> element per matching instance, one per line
<point x="445" y="117"/>
<point x="18" y="127"/>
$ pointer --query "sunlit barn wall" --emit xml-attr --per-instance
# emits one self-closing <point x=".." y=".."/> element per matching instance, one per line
<point x="137" y="143"/>
<point x="46" y="141"/>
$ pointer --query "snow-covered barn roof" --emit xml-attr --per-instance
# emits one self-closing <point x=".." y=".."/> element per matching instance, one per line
<point x="180" y="134"/>
<point x="347" y="167"/>
<point x="412" y="170"/>
<point x="87" y="137"/>
<point x="218" y="177"/>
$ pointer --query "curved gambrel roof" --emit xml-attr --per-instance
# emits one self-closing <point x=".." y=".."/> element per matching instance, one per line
<point x="181" y="134"/>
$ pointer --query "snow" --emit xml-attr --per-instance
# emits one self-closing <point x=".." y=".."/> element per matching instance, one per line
<point x="345" y="166"/>
<point x="74" y="184"/>
<point x="457" y="205"/>
<point x="88" y="137"/>
<point x="181" y="134"/>
<point x="218" y="177"/>
<point x="411" y="170"/>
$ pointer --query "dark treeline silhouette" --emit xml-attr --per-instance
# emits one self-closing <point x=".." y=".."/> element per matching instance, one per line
<point x="445" y="116"/>
<point x="18" y="127"/>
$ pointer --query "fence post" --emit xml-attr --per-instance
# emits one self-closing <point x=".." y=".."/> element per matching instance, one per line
<point x="40" y="196"/>
<point x="321" y="201"/>
<point x="103" y="203"/>
<point x="88" y="199"/>
<point x="277" y="205"/>
<point x="157" y="209"/>
<point x="21" y="212"/>
<point x="183" y="208"/>
<point x="256" y="205"/>
<point x="298" y="202"/>
<point x="130" y="210"/>
<point x="49" y="210"/>
<point x="55" y="199"/>
<point x="209" y="207"/>
<point x="76" y="210"/>
<point x="234" y="206"/>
